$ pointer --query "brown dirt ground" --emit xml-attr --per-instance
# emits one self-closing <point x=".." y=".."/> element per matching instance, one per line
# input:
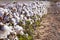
<point x="49" y="29"/>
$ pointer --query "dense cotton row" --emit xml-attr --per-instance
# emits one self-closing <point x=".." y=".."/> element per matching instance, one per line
<point x="13" y="13"/>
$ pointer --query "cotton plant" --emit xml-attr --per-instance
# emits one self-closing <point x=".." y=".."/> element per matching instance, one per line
<point x="19" y="18"/>
<point x="8" y="29"/>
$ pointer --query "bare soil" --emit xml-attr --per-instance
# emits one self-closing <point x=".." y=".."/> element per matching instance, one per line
<point x="49" y="29"/>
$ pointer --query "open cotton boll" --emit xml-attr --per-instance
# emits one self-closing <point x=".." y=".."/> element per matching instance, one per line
<point x="40" y="14"/>
<point x="58" y="4"/>
<point x="7" y="30"/>
<point x="19" y="29"/>
<point x="14" y="21"/>
<point x="30" y="13"/>
<point x="23" y="12"/>
<point x="9" y="5"/>
<point x="21" y="33"/>
<point x="21" y="17"/>
<point x="17" y="14"/>
<point x="11" y="27"/>
<point x="17" y="20"/>
<point x="1" y="9"/>
<point x="33" y="5"/>
<point x="14" y="14"/>
<point x="6" y="19"/>
<point x="7" y="24"/>
<point x="3" y="35"/>
<point x="16" y="17"/>
<point x="16" y="38"/>
<point x="5" y="10"/>
<point x="25" y="18"/>
<point x="25" y="9"/>
<point x="24" y="22"/>
<point x="1" y="12"/>
<point x="26" y="35"/>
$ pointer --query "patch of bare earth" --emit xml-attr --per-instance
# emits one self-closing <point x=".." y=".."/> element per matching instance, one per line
<point x="49" y="29"/>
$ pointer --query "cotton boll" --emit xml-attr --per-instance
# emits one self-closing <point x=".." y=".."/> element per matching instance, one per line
<point x="23" y="12"/>
<point x="30" y="8"/>
<point x="19" y="29"/>
<point x="8" y="39"/>
<point x="1" y="9"/>
<point x="1" y="15"/>
<point x="10" y="16"/>
<point x="7" y="24"/>
<point x="25" y="18"/>
<point x="14" y="14"/>
<point x="6" y="19"/>
<point x="40" y="14"/>
<point x="58" y="4"/>
<point x="26" y="35"/>
<point x="31" y="21"/>
<point x="16" y="38"/>
<point x="1" y="12"/>
<point x="21" y="17"/>
<point x="11" y="27"/>
<point x="26" y="4"/>
<point x="33" y="5"/>
<point x="14" y="21"/>
<point x="25" y="8"/>
<point x="45" y="11"/>
<point x="30" y="13"/>
<point x="7" y="30"/>
<point x="17" y="19"/>
<point x="9" y="6"/>
<point x="17" y="14"/>
<point x="5" y="10"/>
<point x="21" y="33"/>
<point x="12" y="35"/>
<point x="24" y="22"/>
<point x="1" y="23"/>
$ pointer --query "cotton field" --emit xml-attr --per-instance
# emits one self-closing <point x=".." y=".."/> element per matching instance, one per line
<point x="21" y="19"/>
